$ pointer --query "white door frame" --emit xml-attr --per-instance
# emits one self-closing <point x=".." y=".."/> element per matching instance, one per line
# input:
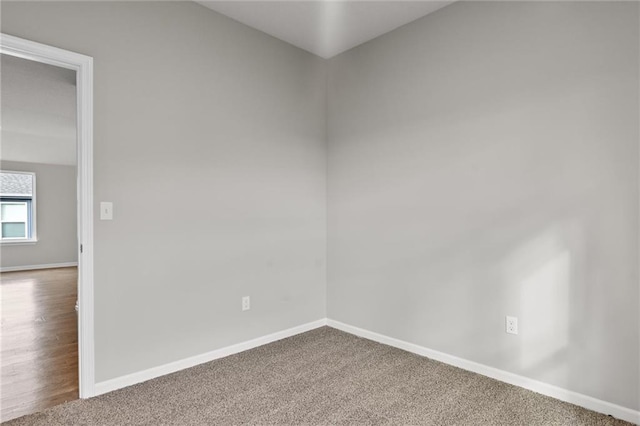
<point x="83" y="65"/>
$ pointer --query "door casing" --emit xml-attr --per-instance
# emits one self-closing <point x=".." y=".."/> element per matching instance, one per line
<point x="83" y="65"/>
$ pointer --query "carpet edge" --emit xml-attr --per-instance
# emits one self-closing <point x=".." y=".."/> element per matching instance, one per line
<point x="556" y="392"/>
<point x="116" y="383"/>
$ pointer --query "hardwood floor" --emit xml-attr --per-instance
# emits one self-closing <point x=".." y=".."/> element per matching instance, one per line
<point x="39" y="341"/>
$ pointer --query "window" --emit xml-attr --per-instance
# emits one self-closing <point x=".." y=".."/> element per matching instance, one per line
<point x="17" y="206"/>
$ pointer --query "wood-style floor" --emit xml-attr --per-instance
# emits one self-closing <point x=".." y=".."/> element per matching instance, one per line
<point x="39" y="340"/>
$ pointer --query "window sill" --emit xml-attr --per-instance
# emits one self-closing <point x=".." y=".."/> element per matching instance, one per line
<point x="18" y="242"/>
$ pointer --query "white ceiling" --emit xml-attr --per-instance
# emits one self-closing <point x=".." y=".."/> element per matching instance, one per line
<point x="325" y="28"/>
<point x="38" y="105"/>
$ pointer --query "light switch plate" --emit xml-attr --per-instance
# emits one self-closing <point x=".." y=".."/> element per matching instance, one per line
<point x="106" y="210"/>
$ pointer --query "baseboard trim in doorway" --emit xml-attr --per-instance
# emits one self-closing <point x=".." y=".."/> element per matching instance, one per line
<point x="556" y="392"/>
<point x="172" y="367"/>
<point x="33" y="267"/>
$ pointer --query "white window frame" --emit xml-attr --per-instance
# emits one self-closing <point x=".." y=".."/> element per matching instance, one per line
<point x="32" y="236"/>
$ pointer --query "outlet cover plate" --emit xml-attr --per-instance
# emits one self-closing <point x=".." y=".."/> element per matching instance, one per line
<point x="511" y="325"/>
<point x="246" y="303"/>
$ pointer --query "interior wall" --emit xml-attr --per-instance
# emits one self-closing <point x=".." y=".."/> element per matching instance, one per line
<point x="483" y="162"/>
<point x="210" y="141"/>
<point x="56" y="217"/>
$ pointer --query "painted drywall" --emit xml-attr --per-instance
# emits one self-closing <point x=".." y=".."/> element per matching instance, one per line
<point x="483" y="162"/>
<point x="210" y="142"/>
<point x="56" y="217"/>
<point x="38" y="112"/>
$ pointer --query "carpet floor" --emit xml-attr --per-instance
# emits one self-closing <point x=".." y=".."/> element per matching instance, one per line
<point x="323" y="376"/>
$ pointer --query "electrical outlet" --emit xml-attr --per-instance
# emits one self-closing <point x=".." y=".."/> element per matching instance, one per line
<point x="511" y="324"/>
<point x="246" y="303"/>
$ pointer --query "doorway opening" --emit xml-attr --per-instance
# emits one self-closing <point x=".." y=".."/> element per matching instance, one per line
<point x="40" y="291"/>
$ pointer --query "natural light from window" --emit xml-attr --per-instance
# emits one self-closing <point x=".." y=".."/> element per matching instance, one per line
<point x="540" y="271"/>
<point x="17" y="207"/>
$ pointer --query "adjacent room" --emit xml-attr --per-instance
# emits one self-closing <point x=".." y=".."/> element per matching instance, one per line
<point x="320" y="212"/>
<point x="38" y="269"/>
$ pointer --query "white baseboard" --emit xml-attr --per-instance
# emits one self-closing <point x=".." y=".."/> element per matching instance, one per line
<point x="32" y="267"/>
<point x="172" y="367"/>
<point x="504" y="376"/>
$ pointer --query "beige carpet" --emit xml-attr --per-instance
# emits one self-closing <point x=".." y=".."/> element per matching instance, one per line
<point x="324" y="376"/>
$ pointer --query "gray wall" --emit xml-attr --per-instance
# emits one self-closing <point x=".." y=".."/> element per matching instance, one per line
<point x="210" y="142"/>
<point x="483" y="162"/>
<point x="56" y="217"/>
